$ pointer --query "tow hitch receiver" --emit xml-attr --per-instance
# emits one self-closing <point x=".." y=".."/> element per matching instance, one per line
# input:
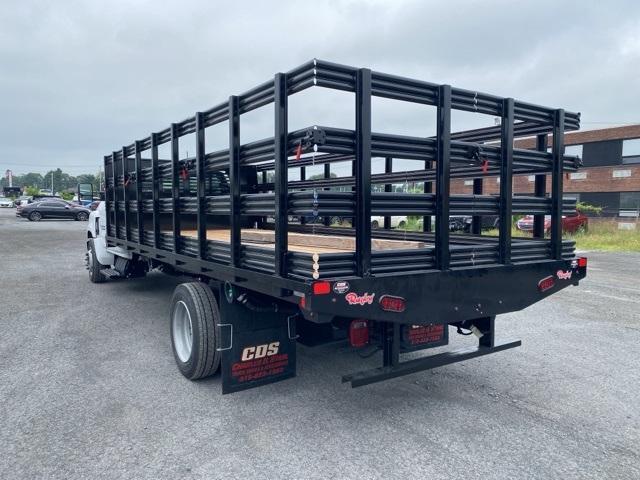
<point x="392" y="367"/>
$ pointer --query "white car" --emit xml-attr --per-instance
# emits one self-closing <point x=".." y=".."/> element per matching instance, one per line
<point x="6" y="202"/>
<point x="396" y="222"/>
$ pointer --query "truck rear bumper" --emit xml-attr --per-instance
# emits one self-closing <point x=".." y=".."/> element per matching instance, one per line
<point x="441" y="297"/>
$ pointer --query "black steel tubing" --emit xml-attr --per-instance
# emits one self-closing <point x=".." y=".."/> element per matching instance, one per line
<point x="506" y="180"/>
<point x="175" y="185"/>
<point x="442" y="176"/>
<point x="281" y="174"/>
<point x="201" y="219"/>
<point x="363" y="173"/>
<point x="540" y="187"/>
<point x="556" y="185"/>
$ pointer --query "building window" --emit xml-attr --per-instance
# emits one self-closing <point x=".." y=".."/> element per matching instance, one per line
<point x="631" y="151"/>
<point x="629" y="204"/>
<point x="621" y="173"/>
<point x="578" y="176"/>
<point x="573" y="150"/>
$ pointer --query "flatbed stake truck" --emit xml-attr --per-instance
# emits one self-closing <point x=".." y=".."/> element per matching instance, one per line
<point x="274" y="261"/>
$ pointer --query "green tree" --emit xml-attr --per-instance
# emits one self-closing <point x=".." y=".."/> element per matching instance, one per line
<point x="31" y="179"/>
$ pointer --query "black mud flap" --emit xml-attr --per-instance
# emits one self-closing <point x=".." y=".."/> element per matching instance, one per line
<point x="257" y="347"/>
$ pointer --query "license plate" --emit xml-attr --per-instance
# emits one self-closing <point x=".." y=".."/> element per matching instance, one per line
<point x="416" y="337"/>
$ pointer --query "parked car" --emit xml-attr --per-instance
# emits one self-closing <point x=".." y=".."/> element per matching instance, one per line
<point x="574" y="222"/>
<point x="456" y="223"/>
<point x="53" y="209"/>
<point x="396" y="222"/>
<point x="487" y="222"/>
<point x="6" y="202"/>
<point x="24" y="200"/>
<point x="94" y="205"/>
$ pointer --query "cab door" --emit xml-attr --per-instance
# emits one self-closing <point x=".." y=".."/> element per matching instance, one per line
<point x="85" y="193"/>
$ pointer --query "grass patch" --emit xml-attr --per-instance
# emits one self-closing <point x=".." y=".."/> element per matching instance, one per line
<point x="606" y="236"/>
<point x="603" y="235"/>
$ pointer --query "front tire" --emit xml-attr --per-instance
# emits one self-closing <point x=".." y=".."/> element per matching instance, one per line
<point x="82" y="217"/>
<point x="35" y="216"/>
<point x="194" y="331"/>
<point x="95" y="267"/>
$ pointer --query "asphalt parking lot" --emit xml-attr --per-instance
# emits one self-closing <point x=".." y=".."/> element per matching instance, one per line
<point x="89" y="388"/>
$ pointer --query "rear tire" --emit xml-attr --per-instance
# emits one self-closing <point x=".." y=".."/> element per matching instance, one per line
<point x="194" y="331"/>
<point x="95" y="275"/>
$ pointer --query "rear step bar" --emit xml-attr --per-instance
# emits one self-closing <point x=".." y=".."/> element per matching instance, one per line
<point x="484" y="328"/>
<point x="380" y="374"/>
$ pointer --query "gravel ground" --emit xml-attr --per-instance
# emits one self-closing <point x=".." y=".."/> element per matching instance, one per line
<point x="89" y="388"/>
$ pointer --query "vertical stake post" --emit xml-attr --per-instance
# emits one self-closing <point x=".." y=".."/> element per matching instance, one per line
<point x="388" y="168"/>
<point x="155" y="192"/>
<point x="363" y="173"/>
<point x="139" y="205"/>
<point x="506" y="181"/>
<point x="201" y="190"/>
<point x="556" y="185"/>
<point x="125" y="170"/>
<point x="476" y="220"/>
<point x="175" y="186"/>
<point x="443" y="168"/>
<point x="234" y="179"/>
<point x="540" y="188"/>
<point x="281" y="138"/>
<point x="114" y="180"/>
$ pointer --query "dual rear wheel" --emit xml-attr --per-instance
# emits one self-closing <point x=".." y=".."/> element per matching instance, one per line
<point x="194" y="330"/>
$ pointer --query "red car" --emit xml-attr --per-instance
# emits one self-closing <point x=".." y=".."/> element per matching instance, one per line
<point x="571" y="223"/>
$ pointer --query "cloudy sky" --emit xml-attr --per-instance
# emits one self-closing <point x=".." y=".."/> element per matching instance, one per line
<point x="80" y="79"/>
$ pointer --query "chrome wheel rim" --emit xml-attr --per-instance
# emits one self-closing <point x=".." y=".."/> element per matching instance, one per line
<point x="182" y="331"/>
<point x="90" y="260"/>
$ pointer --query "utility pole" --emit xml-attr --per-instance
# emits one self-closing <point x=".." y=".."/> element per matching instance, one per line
<point x="52" y="192"/>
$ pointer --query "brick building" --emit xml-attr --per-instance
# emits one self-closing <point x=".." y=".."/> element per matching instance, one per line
<point x="610" y="176"/>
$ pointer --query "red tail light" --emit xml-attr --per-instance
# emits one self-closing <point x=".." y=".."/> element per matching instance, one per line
<point x="359" y="333"/>
<point x="546" y="283"/>
<point x="582" y="261"/>
<point x="321" y="288"/>
<point x="392" y="304"/>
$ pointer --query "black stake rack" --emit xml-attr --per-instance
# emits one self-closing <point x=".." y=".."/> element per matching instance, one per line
<point x="152" y="201"/>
